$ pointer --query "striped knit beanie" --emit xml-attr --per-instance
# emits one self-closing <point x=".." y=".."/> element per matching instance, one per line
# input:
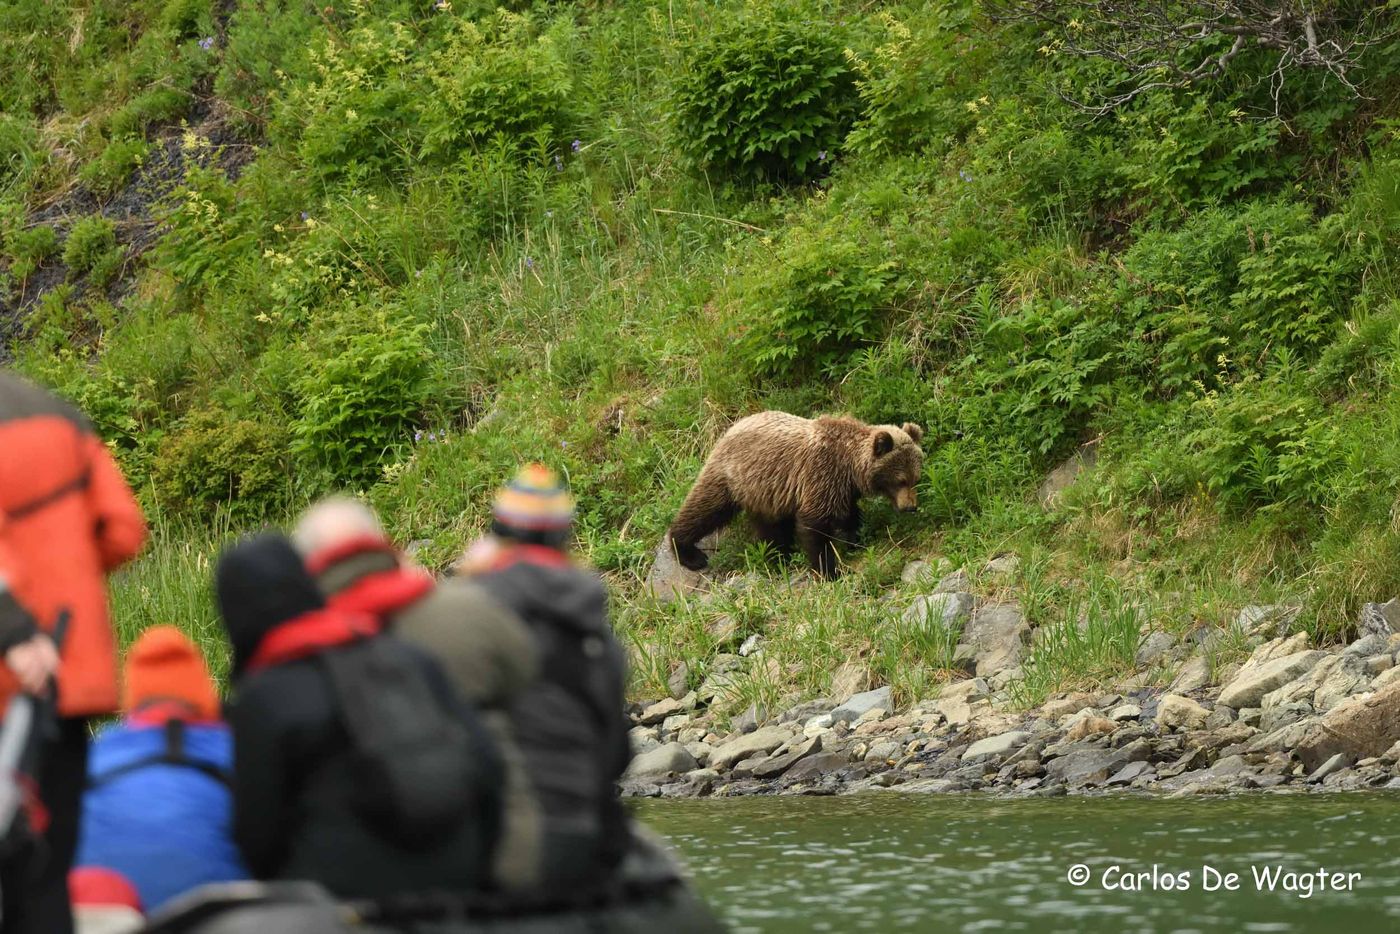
<point x="534" y="507"/>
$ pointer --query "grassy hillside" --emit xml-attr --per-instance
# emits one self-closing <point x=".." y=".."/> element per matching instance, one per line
<point x="276" y="249"/>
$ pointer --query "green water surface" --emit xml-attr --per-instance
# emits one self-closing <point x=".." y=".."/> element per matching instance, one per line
<point x="895" y="862"/>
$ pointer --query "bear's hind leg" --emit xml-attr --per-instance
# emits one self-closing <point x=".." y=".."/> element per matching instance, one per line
<point x="780" y="533"/>
<point x="815" y="536"/>
<point x="707" y="508"/>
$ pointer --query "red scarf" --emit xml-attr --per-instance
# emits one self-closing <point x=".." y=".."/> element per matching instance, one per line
<point x="528" y="554"/>
<point x="309" y="634"/>
<point x="161" y="711"/>
<point x="384" y="593"/>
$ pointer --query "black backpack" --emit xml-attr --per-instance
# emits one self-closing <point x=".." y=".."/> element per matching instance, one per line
<point x="423" y="761"/>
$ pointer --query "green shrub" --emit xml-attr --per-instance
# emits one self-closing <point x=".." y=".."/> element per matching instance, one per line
<point x="156" y="106"/>
<point x="20" y="153"/>
<point x="502" y="77"/>
<point x="203" y="233"/>
<point x="357" y="405"/>
<point x="768" y="95"/>
<point x="113" y="166"/>
<point x="91" y="249"/>
<point x="821" y="298"/>
<point x="28" y="247"/>
<point x="218" y="460"/>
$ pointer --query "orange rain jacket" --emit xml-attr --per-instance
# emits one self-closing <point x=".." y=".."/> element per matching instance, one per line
<point x="67" y="518"/>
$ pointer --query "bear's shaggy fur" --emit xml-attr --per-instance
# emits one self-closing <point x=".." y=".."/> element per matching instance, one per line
<point x="800" y="480"/>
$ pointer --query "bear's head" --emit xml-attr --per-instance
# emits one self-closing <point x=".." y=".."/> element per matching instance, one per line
<point x="896" y="464"/>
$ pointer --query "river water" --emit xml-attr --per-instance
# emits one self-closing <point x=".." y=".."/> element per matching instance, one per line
<point x="890" y="861"/>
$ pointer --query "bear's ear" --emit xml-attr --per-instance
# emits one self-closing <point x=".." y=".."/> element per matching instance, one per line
<point x="884" y="444"/>
<point x="913" y="431"/>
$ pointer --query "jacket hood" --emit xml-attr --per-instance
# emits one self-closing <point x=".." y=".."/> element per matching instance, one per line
<point x="260" y="584"/>
<point x="558" y="591"/>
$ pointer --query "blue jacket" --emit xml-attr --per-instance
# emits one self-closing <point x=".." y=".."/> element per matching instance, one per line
<point x="166" y="827"/>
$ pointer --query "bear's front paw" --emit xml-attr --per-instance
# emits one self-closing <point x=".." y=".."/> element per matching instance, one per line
<point x="691" y="557"/>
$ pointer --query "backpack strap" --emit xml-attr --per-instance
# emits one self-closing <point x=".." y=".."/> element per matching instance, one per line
<point x="39" y="503"/>
<point x="173" y="754"/>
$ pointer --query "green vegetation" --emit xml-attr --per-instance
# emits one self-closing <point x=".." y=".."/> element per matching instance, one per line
<point x="594" y="234"/>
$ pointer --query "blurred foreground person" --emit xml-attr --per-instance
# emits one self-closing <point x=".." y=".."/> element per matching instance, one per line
<point x="356" y="765"/>
<point x="158" y="810"/>
<point x="484" y="649"/>
<point x="570" y="722"/>
<point x="67" y="518"/>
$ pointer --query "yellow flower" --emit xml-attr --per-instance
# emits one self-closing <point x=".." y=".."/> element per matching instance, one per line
<point x="350" y="114"/>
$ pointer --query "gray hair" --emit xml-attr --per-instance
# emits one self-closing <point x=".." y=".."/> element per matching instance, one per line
<point x="332" y="521"/>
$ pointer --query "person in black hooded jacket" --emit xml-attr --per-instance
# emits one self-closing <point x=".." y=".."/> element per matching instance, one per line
<point x="570" y="723"/>
<point x="304" y="805"/>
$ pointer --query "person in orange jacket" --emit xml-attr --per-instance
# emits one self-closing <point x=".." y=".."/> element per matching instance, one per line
<point x="67" y="519"/>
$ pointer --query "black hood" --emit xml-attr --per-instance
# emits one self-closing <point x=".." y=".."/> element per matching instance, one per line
<point x="261" y="583"/>
<point x="565" y="596"/>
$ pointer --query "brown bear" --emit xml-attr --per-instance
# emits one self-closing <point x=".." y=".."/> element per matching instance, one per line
<point x="800" y="480"/>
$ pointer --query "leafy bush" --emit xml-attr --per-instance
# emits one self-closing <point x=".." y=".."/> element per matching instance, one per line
<point x="113" y="166"/>
<point x="502" y="77"/>
<point x="158" y="105"/>
<point x="817" y="301"/>
<point x="357" y="405"/>
<point x="28" y="247"/>
<point x="91" y="248"/>
<point x="768" y="95"/>
<point x="203" y="233"/>
<point x="219" y="460"/>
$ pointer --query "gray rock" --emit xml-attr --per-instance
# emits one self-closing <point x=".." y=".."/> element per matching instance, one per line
<point x="956" y="582"/>
<point x="946" y="610"/>
<point x="667" y="579"/>
<point x="1375" y="664"/>
<point x="1002" y="566"/>
<point x="1367" y="645"/>
<point x="1266" y="620"/>
<point x="664" y="708"/>
<point x="996" y="745"/>
<point x="1380" y="618"/>
<point x="1063" y="476"/>
<point x="747" y="721"/>
<point x="918" y="573"/>
<point x="1360" y="727"/>
<point x="1175" y="712"/>
<point x="1281" y="715"/>
<point x="742" y="747"/>
<point x="1086" y="764"/>
<point x="751" y="645"/>
<point x="1334" y="764"/>
<point x="815" y="766"/>
<point x="880" y="698"/>
<point x="780" y="762"/>
<point x="849" y="678"/>
<point x="672" y="757"/>
<point x="1153" y="646"/>
<point x="1129" y="773"/>
<point x="1221" y="717"/>
<point x="1252" y="682"/>
<point x="997" y="633"/>
<point x="882" y="752"/>
<point x="679" y="681"/>
<point x="1193" y="676"/>
<point x="1125" y="712"/>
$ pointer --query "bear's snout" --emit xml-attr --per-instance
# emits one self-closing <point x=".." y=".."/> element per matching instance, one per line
<point x="906" y="500"/>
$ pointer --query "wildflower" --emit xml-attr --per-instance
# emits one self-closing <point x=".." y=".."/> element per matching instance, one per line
<point x="563" y="444"/>
<point x="417" y="436"/>
<point x="529" y="263"/>
<point x="350" y="114"/>
<point x="558" y="164"/>
<point x="303" y="215"/>
<point x="206" y="43"/>
<point x="277" y="228"/>
<point x="965" y="175"/>
<point x="576" y="145"/>
<point x="821" y="156"/>
<point x="443" y="6"/>
<point x="548" y="213"/>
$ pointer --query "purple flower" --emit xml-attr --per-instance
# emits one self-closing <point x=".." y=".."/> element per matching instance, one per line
<point x="529" y="263"/>
<point x="558" y="164"/>
<point x="563" y="444"/>
<point x="576" y="145"/>
<point x="304" y="215"/>
<point x="821" y="156"/>
<point x="418" y="436"/>
<point x="965" y="175"/>
<point x="206" y="43"/>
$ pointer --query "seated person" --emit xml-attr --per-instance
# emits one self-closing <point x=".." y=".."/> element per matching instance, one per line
<point x="158" y="810"/>
<point x="356" y="764"/>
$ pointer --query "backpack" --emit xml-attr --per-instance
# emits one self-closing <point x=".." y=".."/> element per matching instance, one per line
<point x="422" y="759"/>
<point x="173" y="754"/>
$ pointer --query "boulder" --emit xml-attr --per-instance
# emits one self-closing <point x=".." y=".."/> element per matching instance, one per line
<point x="1063" y="476"/>
<point x="742" y="747"/>
<point x="859" y="704"/>
<point x="1360" y="727"/>
<point x="947" y="610"/>
<point x="1153" y="646"/>
<point x="1002" y="566"/>
<point x="1175" y="712"/>
<point x="679" y="681"/>
<point x="815" y="766"/>
<point x="667" y="707"/>
<point x="849" y="678"/>
<point x="672" y="757"/>
<point x="1267" y="620"/>
<point x="1253" y="681"/>
<point x="1193" y="676"/>
<point x="996" y="745"/>
<point x="996" y="633"/>
<point x="956" y="582"/>
<point x="1380" y="618"/>
<point x="920" y="572"/>
<point x="1125" y="712"/>
<point x="1085" y="764"/>
<point x="1089" y="726"/>
<point x="668" y="579"/>
<point x="781" y="761"/>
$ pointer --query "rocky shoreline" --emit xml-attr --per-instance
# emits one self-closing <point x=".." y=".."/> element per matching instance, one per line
<point x="1290" y="717"/>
